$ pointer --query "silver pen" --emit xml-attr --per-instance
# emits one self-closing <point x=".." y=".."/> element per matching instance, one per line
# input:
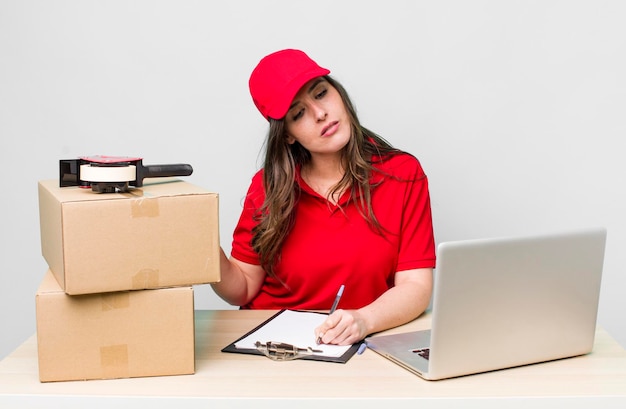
<point x="333" y="308"/>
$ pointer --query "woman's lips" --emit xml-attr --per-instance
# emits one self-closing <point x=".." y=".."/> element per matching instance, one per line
<point x="330" y="128"/>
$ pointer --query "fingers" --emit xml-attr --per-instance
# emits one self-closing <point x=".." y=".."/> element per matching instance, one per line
<point x="324" y="333"/>
<point x="340" y="328"/>
<point x="320" y="331"/>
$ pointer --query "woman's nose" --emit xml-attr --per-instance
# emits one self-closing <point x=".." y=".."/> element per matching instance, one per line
<point x="320" y="113"/>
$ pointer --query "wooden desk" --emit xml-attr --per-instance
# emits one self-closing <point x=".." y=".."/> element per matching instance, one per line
<point x="238" y="381"/>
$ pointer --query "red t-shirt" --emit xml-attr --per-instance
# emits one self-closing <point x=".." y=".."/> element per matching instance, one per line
<point x="330" y="246"/>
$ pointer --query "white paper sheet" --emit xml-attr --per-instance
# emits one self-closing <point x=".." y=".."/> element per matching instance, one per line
<point x="295" y="328"/>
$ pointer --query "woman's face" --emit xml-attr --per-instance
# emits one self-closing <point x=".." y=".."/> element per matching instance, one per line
<point x="317" y="119"/>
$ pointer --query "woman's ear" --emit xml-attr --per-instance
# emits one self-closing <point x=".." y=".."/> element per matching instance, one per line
<point x="290" y="139"/>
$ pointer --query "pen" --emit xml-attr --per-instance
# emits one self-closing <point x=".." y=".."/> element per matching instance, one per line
<point x="334" y="307"/>
<point x="337" y="298"/>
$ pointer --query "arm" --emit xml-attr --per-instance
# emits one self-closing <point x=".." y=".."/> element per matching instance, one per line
<point x="405" y="301"/>
<point x="240" y="281"/>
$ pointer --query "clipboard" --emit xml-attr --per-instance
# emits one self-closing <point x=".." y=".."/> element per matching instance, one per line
<point x="233" y="348"/>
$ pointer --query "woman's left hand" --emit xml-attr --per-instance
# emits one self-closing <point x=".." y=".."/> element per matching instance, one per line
<point x="342" y="327"/>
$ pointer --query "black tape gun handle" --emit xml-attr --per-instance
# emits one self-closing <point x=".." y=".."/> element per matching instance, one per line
<point x="157" y="171"/>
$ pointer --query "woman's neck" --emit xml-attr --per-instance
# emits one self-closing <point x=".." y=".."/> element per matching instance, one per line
<point x="322" y="175"/>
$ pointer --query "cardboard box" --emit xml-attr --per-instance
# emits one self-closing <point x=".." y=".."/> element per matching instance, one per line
<point x="164" y="234"/>
<point x="114" y="335"/>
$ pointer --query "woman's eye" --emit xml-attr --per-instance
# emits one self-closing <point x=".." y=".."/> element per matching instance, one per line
<point x="298" y="115"/>
<point x="321" y="93"/>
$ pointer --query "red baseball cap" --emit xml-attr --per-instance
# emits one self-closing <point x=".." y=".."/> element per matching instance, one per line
<point x="278" y="77"/>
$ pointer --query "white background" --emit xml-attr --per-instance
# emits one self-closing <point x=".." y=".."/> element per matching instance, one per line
<point x="516" y="109"/>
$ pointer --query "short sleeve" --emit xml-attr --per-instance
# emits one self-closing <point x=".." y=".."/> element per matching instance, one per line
<point x="242" y="236"/>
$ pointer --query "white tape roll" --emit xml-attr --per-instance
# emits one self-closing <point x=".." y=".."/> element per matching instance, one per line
<point x="90" y="173"/>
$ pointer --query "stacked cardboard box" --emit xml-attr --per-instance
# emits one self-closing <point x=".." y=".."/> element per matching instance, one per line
<point x="117" y="299"/>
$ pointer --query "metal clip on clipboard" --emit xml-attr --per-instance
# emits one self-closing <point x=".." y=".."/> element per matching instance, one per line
<point x="280" y="351"/>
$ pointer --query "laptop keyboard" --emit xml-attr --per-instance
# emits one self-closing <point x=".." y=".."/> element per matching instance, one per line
<point x="423" y="352"/>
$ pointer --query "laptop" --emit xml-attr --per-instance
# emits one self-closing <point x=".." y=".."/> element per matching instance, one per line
<point x="505" y="302"/>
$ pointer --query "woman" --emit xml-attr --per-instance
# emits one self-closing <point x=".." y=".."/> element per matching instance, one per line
<point x="335" y="204"/>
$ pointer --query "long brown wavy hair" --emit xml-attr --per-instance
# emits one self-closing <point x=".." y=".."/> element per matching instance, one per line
<point x="276" y="216"/>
